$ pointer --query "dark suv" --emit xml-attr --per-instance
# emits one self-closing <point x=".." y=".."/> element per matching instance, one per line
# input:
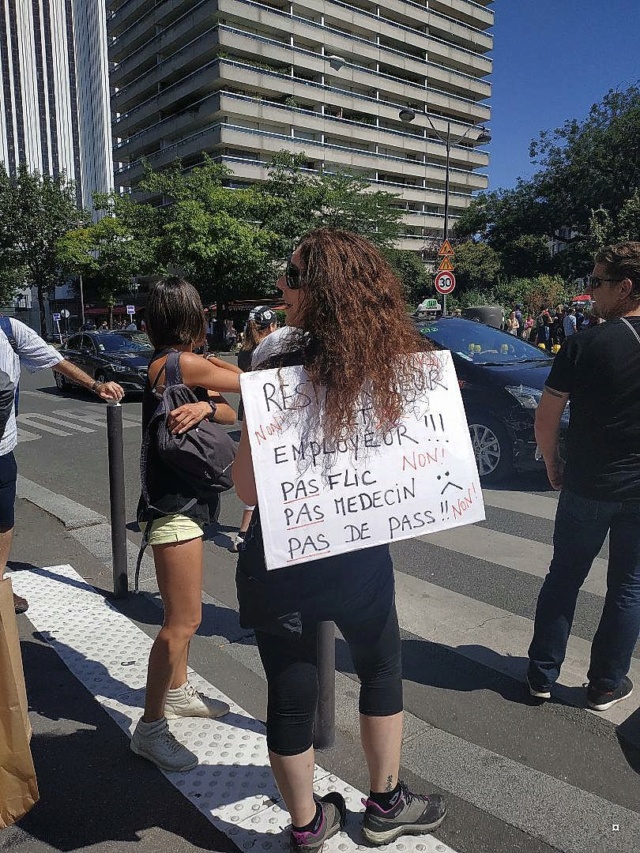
<point x="501" y="379"/>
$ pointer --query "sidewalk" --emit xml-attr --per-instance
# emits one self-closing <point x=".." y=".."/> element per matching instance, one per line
<point x="93" y="792"/>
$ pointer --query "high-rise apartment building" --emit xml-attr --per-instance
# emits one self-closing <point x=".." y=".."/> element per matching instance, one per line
<point x="54" y="91"/>
<point x="242" y="80"/>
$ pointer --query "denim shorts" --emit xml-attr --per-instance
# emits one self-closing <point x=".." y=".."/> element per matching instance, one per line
<point x="8" y="477"/>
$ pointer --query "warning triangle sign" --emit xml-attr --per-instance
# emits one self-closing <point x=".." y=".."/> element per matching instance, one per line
<point x="445" y="249"/>
<point x="445" y="264"/>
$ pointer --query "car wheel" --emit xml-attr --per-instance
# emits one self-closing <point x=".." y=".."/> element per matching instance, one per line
<point x="492" y="448"/>
<point x="101" y="376"/>
<point x="61" y="382"/>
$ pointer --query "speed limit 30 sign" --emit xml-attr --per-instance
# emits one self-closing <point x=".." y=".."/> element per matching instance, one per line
<point x="444" y="282"/>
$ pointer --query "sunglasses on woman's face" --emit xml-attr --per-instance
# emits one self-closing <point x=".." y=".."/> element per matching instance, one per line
<point x="292" y="276"/>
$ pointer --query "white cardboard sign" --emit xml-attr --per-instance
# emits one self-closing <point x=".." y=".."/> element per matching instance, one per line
<point x="318" y="498"/>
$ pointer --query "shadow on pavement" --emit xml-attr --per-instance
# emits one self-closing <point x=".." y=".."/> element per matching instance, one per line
<point x="92" y="789"/>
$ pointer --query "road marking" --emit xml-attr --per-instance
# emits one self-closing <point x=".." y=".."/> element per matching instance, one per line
<point x="33" y="420"/>
<point x="232" y="785"/>
<point x="97" y="417"/>
<point x="495" y="638"/>
<point x="511" y="552"/>
<point x="522" y="502"/>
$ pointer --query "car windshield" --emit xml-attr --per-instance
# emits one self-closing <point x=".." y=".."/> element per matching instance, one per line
<point x="479" y="343"/>
<point x="126" y="342"/>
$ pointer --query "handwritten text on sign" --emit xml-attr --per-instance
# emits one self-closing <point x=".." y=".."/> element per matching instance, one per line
<point x="318" y="497"/>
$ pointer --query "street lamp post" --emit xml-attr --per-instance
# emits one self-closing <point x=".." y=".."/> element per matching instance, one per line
<point x="484" y="136"/>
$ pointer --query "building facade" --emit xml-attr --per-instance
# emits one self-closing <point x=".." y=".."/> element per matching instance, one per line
<point x="54" y="91"/>
<point x="242" y="80"/>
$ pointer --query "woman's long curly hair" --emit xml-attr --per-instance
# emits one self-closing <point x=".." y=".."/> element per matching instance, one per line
<point x="354" y="313"/>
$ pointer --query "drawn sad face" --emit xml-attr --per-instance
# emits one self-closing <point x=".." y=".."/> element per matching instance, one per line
<point x="448" y="484"/>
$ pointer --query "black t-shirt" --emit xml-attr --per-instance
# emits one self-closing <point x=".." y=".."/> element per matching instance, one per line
<point x="600" y="369"/>
<point x="244" y="359"/>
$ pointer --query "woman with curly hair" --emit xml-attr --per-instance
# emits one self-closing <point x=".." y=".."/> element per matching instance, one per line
<point x="352" y="331"/>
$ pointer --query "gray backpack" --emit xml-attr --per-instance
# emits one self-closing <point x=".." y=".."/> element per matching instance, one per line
<point x="201" y="457"/>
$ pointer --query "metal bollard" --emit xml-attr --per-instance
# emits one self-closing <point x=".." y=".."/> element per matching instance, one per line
<point x="116" y="493"/>
<point x="325" y="728"/>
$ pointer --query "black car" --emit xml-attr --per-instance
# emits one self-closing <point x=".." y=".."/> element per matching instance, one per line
<point x="501" y="380"/>
<point x="121" y="357"/>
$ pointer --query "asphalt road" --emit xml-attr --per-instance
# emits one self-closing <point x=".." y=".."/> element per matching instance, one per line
<point x="521" y="777"/>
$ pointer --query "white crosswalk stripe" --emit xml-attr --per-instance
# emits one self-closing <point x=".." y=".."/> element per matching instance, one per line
<point x="511" y="552"/>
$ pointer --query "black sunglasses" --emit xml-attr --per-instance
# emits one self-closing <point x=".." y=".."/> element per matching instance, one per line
<point x="292" y="276"/>
<point x="595" y="282"/>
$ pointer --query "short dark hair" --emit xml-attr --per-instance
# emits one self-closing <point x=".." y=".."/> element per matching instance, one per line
<point x="174" y="312"/>
<point x="622" y="261"/>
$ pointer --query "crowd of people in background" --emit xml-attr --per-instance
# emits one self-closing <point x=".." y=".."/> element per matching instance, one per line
<point x="550" y="327"/>
<point x="128" y="325"/>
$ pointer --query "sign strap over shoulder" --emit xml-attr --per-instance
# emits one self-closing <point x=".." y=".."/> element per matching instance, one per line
<point x="7" y="328"/>
<point x="633" y="331"/>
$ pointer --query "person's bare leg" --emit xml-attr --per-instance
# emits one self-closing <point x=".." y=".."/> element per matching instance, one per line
<point x="294" y="777"/>
<point x="180" y="674"/>
<point x="382" y="743"/>
<point x="179" y="573"/>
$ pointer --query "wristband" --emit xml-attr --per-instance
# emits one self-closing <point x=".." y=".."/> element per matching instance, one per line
<point x="95" y="386"/>
<point x="213" y="409"/>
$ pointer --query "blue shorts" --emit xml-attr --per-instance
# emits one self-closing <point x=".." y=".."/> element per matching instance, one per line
<point x="8" y="478"/>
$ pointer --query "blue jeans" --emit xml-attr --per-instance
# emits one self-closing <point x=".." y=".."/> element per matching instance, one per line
<point x="580" y="530"/>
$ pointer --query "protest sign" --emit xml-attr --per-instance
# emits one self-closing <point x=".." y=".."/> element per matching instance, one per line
<point x="319" y="498"/>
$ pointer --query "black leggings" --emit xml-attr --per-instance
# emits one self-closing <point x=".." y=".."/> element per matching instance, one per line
<point x="290" y="667"/>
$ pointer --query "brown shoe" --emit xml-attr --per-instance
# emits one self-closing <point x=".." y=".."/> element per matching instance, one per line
<point x="21" y="605"/>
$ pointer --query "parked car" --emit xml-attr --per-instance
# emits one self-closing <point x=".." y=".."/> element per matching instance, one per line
<point x="109" y="356"/>
<point x="501" y="379"/>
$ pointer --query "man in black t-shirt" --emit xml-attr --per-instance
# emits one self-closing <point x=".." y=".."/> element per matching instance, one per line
<point x="598" y="371"/>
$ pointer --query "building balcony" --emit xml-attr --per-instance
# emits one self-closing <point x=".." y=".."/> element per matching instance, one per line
<point x="263" y="145"/>
<point x="265" y="115"/>
<point x="185" y="29"/>
<point x="126" y="40"/>
<point x="473" y="13"/>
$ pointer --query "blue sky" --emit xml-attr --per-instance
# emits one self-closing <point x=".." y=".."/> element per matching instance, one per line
<point x="552" y="60"/>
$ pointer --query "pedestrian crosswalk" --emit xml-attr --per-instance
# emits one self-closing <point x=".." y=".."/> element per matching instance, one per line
<point x="484" y="622"/>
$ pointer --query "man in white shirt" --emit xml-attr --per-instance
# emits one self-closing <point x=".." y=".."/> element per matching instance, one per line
<point x="27" y="348"/>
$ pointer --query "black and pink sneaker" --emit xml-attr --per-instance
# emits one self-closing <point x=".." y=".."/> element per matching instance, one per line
<point x="334" y="815"/>
<point x="409" y="814"/>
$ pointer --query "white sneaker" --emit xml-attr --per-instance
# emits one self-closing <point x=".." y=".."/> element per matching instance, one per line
<point x="157" y="744"/>
<point x="185" y="701"/>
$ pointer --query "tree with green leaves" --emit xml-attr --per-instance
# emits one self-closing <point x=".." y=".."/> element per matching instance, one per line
<point x="111" y="252"/>
<point x="412" y="272"/>
<point x="35" y="212"/>
<point x="588" y="172"/>
<point x="212" y="233"/>
<point x="294" y="202"/>
<point x="477" y="265"/>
